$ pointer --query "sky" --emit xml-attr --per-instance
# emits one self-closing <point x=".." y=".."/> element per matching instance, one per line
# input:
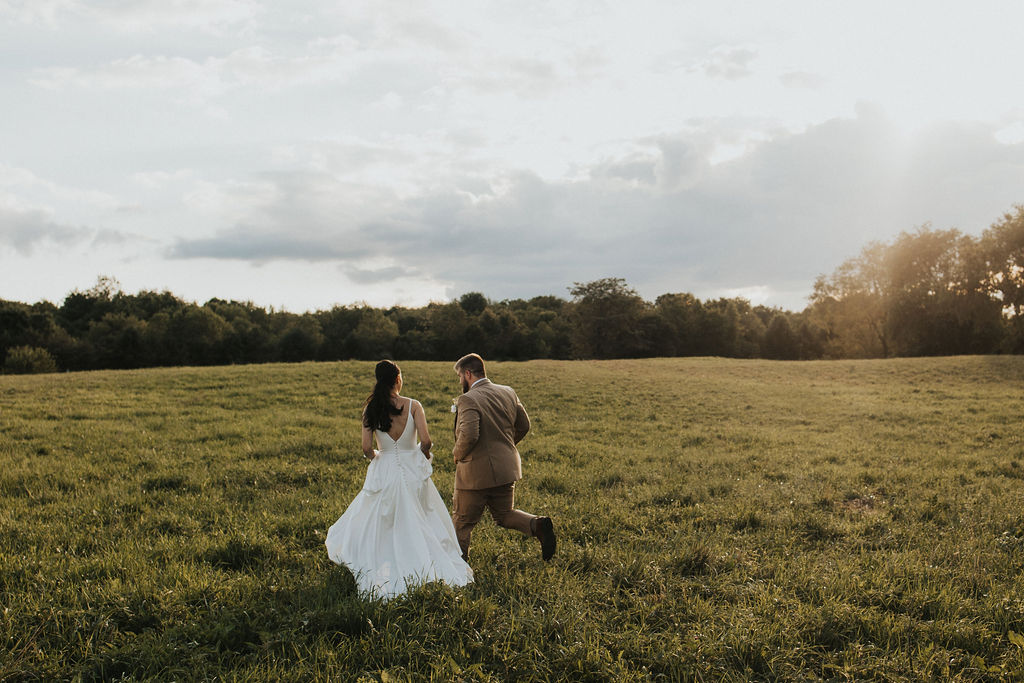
<point x="308" y="154"/>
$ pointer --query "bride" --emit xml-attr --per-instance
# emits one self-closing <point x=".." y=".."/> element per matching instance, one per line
<point x="397" y="532"/>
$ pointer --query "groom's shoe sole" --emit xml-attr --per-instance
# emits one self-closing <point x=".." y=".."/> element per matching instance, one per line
<point x="546" y="534"/>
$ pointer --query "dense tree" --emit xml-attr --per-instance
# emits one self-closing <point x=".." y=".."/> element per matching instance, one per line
<point x="811" y="339"/>
<point x="414" y="339"/>
<point x="23" y="360"/>
<point x="80" y="309"/>
<point x="249" y="338"/>
<point x="607" y="312"/>
<point x="1002" y="248"/>
<point x="684" y="315"/>
<point x="1002" y="245"/>
<point x="720" y="329"/>
<point x="780" y="342"/>
<point x="549" y="321"/>
<point x="923" y="294"/>
<point x="195" y="336"/>
<point x="336" y="326"/>
<point x="36" y="326"/>
<point x="447" y="329"/>
<point x="117" y="341"/>
<point x="24" y="325"/>
<point x="146" y="304"/>
<point x="374" y="336"/>
<point x="937" y="302"/>
<point x="301" y="339"/>
<point x="852" y="305"/>
<point x="473" y="303"/>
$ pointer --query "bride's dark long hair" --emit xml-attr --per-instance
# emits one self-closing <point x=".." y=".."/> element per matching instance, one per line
<point x="378" y="409"/>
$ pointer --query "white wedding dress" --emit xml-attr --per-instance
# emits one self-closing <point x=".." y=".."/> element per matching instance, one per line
<point x="397" y="532"/>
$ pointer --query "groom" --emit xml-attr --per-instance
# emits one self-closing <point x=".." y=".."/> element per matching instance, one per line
<point x="489" y="422"/>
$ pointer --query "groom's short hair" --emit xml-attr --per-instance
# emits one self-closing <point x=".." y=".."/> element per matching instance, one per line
<point x="472" y="362"/>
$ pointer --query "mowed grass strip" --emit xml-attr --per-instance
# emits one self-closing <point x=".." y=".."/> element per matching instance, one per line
<point x="717" y="519"/>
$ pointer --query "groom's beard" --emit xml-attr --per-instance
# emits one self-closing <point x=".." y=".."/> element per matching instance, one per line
<point x="465" y="386"/>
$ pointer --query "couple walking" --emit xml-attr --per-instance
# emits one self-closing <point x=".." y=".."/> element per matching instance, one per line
<point x="397" y="533"/>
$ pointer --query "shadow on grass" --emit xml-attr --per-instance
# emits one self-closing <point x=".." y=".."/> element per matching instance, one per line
<point x="218" y="635"/>
<point x="237" y="555"/>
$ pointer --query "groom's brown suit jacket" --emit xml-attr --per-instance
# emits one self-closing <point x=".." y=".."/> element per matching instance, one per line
<point x="490" y="420"/>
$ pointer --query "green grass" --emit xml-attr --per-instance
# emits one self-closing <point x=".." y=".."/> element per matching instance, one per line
<point x="717" y="519"/>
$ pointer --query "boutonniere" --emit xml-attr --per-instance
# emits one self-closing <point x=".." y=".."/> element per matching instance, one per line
<point x="455" y="407"/>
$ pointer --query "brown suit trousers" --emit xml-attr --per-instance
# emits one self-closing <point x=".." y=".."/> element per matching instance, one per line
<point x="468" y="507"/>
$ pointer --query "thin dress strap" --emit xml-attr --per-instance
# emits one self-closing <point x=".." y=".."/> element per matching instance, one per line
<point x="408" y="419"/>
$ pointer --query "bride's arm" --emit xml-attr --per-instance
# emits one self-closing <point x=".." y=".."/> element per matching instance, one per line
<point x="421" y="429"/>
<point x="367" y="441"/>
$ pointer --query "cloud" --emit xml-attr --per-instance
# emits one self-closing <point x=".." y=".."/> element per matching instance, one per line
<point x="355" y="158"/>
<point x="252" y="245"/>
<point x="391" y="102"/>
<point x="212" y="16"/>
<point x="105" y="238"/>
<point x="44" y="12"/>
<point x="25" y="182"/>
<point x="252" y="66"/>
<point x="802" y="79"/>
<point x="157" y="179"/>
<point x="634" y="168"/>
<point x="208" y="15"/>
<point x="303" y="215"/>
<point x="31" y="208"/>
<point x="26" y="229"/>
<point x="378" y="275"/>
<point x="727" y="62"/>
<point x="428" y="33"/>
<point x="793" y="207"/>
<point x="1012" y="133"/>
<point x="131" y="72"/>
<point x="33" y="212"/>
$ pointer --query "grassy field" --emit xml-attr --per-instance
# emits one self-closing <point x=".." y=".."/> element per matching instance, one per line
<point x="718" y="519"/>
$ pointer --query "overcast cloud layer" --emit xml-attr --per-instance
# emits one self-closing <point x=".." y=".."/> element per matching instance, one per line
<point x="397" y="152"/>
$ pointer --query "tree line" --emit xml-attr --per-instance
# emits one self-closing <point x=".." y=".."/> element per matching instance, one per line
<point x="928" y="292"/>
